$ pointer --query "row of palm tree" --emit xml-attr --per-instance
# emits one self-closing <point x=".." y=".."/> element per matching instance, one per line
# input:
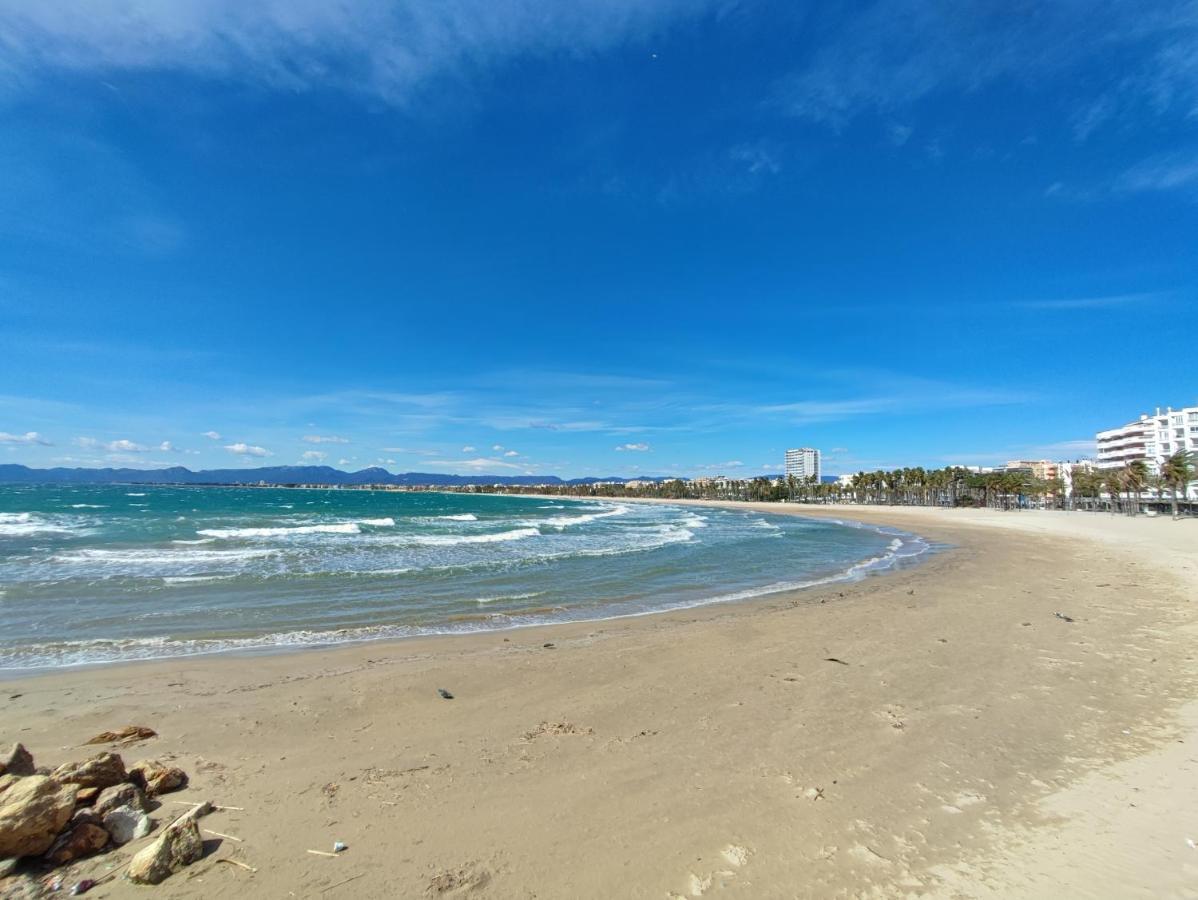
<point x="1115" y="490"/>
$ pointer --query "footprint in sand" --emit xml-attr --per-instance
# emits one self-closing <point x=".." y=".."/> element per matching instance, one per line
<point x="734" y="855"/>
<point x="962" y="801"/>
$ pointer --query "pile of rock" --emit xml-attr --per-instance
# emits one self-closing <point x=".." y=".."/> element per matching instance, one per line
<point x="60" y="815"/>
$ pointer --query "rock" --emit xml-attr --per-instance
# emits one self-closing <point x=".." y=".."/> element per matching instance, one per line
<point x="82" y="840"/>
<point x="125" y="824"/>
<point x="85" y="816"/>
<point x="127" y="794"/>
<point x="23" y="887"/>
<point x="179" y="845"/>
<point x="102" y="770"/>
<point x="7" y="867"/>
<point x="127" y="735"/>
<point x="7" y="781"/>
<point x="18" y="761"/>
<point x="32" y="812"/>
<point x="157" y="778"/>
<point x="87" y="796"/>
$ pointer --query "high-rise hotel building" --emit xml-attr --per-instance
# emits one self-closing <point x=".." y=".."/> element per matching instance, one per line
<point x="1151" y="438"/>
<point x="802" y="463"/>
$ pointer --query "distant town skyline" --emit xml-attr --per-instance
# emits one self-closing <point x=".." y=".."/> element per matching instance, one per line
<point x="669" y="239"/>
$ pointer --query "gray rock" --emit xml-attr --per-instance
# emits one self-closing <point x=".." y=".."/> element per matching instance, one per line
<point x="18" y="761"/>
<point x="102" y="770"/>
<point x="125" y="824"/>
<point x="32" y="813"/>
<point x="118" y="795"/>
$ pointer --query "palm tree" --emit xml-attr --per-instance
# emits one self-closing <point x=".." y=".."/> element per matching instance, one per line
<point x="1178" y="471"/>
<point x="1135" y="476"/>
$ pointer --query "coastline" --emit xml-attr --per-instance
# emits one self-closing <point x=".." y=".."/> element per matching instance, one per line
<point x="648" y="756"/>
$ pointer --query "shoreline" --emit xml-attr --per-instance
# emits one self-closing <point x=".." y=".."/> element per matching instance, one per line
<point x="864" y="568"/>
<point x="936" y="732"/>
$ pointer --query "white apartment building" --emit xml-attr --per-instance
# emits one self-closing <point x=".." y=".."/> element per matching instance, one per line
<point x="1151" y="438"/>
<point x="802" y="463"/>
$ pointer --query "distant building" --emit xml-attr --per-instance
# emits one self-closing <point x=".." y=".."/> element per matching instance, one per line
<point x="1043" y="469"/>
<point x="1152" y="438"/>
<point x="803" y="463"/>
<point x="845" y="481"/>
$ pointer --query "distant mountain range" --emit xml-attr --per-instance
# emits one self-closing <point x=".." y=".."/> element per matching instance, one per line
<point x="17" y="474"/>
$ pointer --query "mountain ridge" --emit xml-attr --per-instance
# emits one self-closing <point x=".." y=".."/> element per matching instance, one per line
<point x="15" y="473"/>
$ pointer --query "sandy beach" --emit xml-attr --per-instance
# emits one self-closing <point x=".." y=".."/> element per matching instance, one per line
<point x="936" y="731"/>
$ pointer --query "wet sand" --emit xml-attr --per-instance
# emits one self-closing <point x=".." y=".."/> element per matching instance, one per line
<point x="931" y="732"/>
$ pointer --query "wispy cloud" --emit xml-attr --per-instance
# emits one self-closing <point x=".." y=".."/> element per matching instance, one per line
<point x="640" y="448"/>
<point x="1112" y="301"/>
<point x="29" y="437"/>
<point x="479" y="464"/>
<point x="1167" y="172"/>
<point x="386" y="49"/>
<point x="887" y="55"/>
<point x="314" y="456"/>
<point x="212" y="435"/>
<point x="243" y="449"/>
<point x="325" y="439"/>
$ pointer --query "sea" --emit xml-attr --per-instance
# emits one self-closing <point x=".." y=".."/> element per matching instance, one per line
<point x="105" y="574"/>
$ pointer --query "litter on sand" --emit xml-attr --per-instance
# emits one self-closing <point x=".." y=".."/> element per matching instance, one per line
<point x="445" y="695"/>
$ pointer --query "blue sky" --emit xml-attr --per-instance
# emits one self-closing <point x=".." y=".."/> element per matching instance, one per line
<point x="604" y="237"/>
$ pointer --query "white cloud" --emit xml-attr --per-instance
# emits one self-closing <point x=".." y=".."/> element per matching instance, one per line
<point x="386" y="49"/>
<point x="343" y="461"/>
<point x="212" y="435"/>
<point x="314" y="456"/>
<point x="168" y="447"/>
<point x="639" y="448"/>
<point x="497" y="447"/>
<point x="478" y="464"/>
<point x="325" y="439"/>
<point x="511" y="453"/>
<point x="244" y="449"/>
<point x="720" y="467"/>
<point x="469" y="449"/>
<point x="29" y="437"/>
<point x="119" y="446"/>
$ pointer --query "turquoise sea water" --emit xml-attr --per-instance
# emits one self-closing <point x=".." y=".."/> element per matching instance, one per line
<point x="111" y="573"/>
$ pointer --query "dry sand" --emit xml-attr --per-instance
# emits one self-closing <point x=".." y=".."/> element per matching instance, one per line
<point x="967" y="742"/>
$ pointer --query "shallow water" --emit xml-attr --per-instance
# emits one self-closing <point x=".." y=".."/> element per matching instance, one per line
<point x="108" y="573"/>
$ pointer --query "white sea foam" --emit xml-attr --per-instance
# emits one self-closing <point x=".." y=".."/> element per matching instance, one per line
<point x="451" y="540"/>
<point x="561" y="522"/>
<point x="484" y="600"/>
<point x="159" y="557"/>
<point x="338" y="528"/>
<point x="21" y="524"/>
<point x="193" y="579"/>
<point x="386" y="522"/>
<point x="88" y="506"/>
<point x="464" y="517"/>
<point x="134" y="495"/>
